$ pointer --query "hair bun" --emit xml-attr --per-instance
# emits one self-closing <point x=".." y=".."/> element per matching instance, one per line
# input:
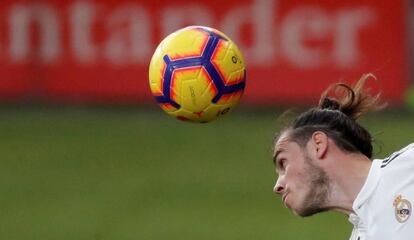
<point x="328" y="103"/>
<point x="353" y="101"/>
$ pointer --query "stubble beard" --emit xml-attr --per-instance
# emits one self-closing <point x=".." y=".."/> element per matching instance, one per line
<point x="318" y="191"/>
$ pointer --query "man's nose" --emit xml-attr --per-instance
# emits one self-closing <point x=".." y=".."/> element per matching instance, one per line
<point x="279" y="187"/>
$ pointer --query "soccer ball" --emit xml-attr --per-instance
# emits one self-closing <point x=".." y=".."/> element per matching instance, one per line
<point x="197" y="74"/>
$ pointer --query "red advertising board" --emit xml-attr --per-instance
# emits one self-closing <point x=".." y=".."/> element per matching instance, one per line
<point x="99" y="51"/>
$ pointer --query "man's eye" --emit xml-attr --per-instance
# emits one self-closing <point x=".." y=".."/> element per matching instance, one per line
<point x="282" y="163"/>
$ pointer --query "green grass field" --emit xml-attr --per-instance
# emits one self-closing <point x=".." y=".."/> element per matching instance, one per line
<point x="136" y="174"/>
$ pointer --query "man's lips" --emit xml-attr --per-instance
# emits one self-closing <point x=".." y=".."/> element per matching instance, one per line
<point x="284" y="198"/>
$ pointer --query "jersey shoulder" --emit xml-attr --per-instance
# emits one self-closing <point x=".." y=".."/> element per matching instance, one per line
<point x="401" y="158"/>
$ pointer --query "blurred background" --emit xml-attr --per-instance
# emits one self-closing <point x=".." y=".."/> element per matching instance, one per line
<point x="86" y="153"/>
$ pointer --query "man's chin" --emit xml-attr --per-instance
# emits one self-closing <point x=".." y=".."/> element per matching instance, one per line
<point x="307" y="212"/>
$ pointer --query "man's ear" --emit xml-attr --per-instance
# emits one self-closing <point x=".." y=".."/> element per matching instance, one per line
<point x="319" y="141"/>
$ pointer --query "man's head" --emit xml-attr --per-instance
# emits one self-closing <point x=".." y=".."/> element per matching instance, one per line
<point x="303" y="182"/>
<point x="303" y="185"/>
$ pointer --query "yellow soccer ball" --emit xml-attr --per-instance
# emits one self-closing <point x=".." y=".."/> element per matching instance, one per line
<point x="197" y="74"/>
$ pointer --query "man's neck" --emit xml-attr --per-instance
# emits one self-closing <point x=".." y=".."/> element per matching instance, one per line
<point x="348" y="176"/>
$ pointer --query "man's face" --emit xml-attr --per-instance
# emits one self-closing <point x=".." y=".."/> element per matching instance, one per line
<point x="303" y="186"/>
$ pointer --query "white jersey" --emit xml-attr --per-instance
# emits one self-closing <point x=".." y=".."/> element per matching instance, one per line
<point x="383" y="207"/>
